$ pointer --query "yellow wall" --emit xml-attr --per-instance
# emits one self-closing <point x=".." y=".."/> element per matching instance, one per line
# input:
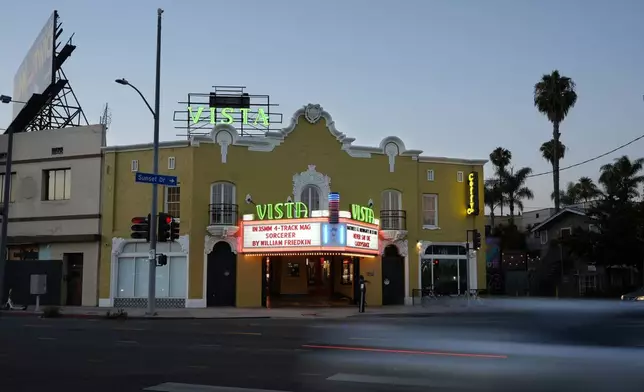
<point x="249" y="281"/>
<point x="268" y="177"/>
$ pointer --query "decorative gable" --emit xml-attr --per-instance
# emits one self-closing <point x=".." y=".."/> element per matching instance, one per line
<point x="225" y="135"/>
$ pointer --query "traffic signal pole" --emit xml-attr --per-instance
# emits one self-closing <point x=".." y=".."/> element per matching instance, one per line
<point x="476" y="243"/>
<point x="152" y="274"/>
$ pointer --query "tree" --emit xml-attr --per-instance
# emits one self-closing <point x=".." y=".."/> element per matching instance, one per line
<point x="587" y="189"/>
<point x="500" y="159"/>
<point x="554" y="96"/>
<point x="515" y="189"/>
<point x="493" y="196"/>
<point x="622" y="179"/>
<point x="570" y="196"/>
<point x="548" y="152"/>
<point x="617" y="216"/>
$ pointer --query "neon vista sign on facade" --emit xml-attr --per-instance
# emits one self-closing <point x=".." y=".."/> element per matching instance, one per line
<point x="261" y="118"/>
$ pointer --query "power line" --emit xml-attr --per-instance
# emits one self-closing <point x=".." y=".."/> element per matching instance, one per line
<point x="589" y="160"/>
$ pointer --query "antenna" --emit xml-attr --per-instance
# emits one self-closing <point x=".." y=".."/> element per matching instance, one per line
<point x="106" y="117"/>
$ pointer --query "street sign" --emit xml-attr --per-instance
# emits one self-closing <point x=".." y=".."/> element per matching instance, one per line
<point x="160" y="179"/>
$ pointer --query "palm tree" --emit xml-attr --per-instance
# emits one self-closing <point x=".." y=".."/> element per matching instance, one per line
<point x="548" y="152"/>
<point x="621" y="180"/>
<point x="493" y="196"/>
<point x="515" y="189"/>
<point x="570" y="196"/>
<point x="587" y="189"/>
<point x="554" y="96"/>
<point x="501" y="158"/>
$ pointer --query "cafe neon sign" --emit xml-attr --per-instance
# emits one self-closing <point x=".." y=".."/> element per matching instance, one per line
<point x="288" y="210"/>
<point x="473" y="185"/>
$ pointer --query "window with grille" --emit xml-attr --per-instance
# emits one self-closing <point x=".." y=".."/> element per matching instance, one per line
<point x="311" y="197"/>
<point x="430" y="210"/>
<point x="430" y="175"/>
<point x="58" y="184"/>
<point x="134" y="165"/>
<point x="459" y="176"/>
<point x="173" y="201"/>
<point x="171" y="163"/>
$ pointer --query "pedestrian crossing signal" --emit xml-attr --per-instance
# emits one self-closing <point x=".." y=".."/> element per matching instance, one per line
<point x="477" y="240"/>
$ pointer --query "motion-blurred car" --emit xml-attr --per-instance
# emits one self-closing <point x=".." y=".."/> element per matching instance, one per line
<point x="637" y="295"/>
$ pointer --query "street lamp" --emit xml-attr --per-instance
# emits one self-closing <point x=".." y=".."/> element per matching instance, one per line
<point x="124" y="82"/>
<point x="155" y="168"/>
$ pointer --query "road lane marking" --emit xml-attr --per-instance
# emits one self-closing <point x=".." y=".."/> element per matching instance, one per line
<point x="385" y="380"/>
<point x="244" y="333"/>
<point x="391" y="351"/>
<point x="44" y="338"/>
<point x="129" y="329"/>
<point x="179" y="387"/>
<point x="207" y="345"/>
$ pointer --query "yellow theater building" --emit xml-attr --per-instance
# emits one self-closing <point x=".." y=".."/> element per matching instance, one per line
<point x="293" y="217"/>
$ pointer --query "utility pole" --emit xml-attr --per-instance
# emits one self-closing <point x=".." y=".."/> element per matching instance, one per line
<point x="155" y="170"/>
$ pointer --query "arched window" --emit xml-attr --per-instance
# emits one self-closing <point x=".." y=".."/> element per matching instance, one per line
<point x="223" y="210"/>
<point x="311" y="197"/>
<point x="392" y="216"/>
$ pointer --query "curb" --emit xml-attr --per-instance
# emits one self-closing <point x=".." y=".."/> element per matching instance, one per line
<point x="482" y="313"/>
<point x="27" y="314"/>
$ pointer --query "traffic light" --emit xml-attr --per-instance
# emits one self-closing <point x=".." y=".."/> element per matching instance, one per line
<point x="163" y="232"/>
<point x="162" y="259"/>
<point x="174" y="229"/>
<point x="476" y="239"/>
<point x="141" y="227"/>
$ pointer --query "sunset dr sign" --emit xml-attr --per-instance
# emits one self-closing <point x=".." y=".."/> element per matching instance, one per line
<point x="159" y="179"/>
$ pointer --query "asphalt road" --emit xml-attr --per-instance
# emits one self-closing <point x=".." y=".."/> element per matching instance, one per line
<point x="544" y="351"/>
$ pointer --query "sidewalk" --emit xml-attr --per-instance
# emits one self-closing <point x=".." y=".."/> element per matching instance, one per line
<point x="431" y="307"/>
<point x="456" y="306"/>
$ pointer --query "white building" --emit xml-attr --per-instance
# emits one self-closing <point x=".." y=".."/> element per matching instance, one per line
<point x="54" y="215"/>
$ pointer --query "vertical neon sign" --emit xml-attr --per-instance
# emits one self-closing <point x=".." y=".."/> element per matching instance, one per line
<point x="473" y="185"/>
<point x="334" y="208"/>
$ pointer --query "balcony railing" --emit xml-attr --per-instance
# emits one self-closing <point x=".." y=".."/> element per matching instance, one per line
<point x="222" y="214"/>
<point x="393" y="220"/>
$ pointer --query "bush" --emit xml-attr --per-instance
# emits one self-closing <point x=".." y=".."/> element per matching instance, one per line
<point x="51" y="312"/>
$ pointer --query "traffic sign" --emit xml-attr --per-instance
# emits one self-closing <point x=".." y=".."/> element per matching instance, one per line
<point x="159" y="179"/>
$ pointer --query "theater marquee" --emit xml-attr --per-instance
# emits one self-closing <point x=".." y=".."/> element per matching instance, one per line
<point x="282" y="235"/>
<point x="309" y="235"/>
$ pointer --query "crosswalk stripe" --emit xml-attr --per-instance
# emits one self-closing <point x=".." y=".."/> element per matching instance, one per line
<point x="180" y="387"/>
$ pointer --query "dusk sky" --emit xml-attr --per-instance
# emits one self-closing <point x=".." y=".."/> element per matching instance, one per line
<point x="451" y="78"/>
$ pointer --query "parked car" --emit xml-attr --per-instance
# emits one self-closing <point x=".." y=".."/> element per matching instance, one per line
<point x="637" y="295"/>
